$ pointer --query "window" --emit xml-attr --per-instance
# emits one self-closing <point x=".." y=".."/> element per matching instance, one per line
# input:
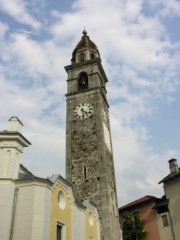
<point x="85" y="172"/>
<point x="59" y="232"/>
<point x="61" y="200"/>
<point x="83" y="81"/>
<point x="92" y="55"/>
<point x="165" y="220"/>
<point x="81" y="57"/>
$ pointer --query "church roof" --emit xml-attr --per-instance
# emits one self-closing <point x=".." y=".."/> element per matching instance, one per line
<point x="24" y="173"/>
<point x="85" y="43"/>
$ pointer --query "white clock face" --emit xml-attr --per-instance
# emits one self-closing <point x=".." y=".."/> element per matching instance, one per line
<point x="83" y="110"/>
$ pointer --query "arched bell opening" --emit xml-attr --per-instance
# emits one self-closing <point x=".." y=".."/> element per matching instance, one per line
<point x="83" y="81"/>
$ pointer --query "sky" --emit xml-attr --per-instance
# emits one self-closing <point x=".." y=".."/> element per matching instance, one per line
<point x="139" y="44"/>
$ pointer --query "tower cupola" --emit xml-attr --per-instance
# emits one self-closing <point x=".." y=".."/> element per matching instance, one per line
<point x="12" y="143"/>
<point x="85" y="50"/>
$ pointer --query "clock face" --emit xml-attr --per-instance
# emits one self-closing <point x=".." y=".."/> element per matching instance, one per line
<point x="83" y="110"/>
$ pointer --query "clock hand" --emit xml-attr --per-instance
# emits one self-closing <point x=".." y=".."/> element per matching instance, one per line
<point x="86" y="113"/>
<point x="82" y="110"/>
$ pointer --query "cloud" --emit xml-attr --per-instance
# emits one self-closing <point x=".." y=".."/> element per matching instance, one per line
<point x="17" y="9"/>
<point x="138" y="167"/>
<point x="3" y="29"/>
<point x="139" y="59"/>
<point x="168" y="8"/>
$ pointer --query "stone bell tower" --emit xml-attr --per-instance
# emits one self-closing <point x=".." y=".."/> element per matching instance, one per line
<point x="89" y="157"/>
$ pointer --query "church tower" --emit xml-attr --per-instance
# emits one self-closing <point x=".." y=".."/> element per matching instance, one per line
<point x="12" y="144"/>
<point x="89" y="157"/>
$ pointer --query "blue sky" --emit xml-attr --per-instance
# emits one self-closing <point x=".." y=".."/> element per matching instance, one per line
<point x="139" y="43"/>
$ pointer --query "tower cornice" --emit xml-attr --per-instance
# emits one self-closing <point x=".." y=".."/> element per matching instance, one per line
<point x="100" y="89"/>
<point x="85" y="63"/>
<point x="11" y="136"/>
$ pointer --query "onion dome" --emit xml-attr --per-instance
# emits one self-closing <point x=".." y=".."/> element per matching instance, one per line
<point x="85" y="50"/>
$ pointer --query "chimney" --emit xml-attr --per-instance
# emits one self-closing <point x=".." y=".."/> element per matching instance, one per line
<point x="15" y="125"/>
<point x="173" y="166"/>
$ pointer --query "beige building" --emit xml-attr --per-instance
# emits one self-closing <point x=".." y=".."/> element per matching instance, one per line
<point x="33" y="208"/>
<point x="163" y="219"/>
<point x="169" y="207"/>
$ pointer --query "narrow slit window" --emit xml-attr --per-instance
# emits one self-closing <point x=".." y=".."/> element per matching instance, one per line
<point x="85" y="172"/>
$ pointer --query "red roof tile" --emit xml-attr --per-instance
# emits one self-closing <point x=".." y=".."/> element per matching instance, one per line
<point x="138" y="201"/>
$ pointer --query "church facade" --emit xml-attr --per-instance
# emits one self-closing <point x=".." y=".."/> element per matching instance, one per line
<point x="34" y="208"/>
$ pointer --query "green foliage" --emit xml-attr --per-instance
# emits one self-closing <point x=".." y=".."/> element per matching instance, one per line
<point x="139" y="227"/>
<point x="133" y="230"/>
<point x="128" y="226"/>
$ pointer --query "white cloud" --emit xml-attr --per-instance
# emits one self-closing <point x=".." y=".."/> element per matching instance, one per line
<point x="29" y="53"/>
<point x="133" y="9"/>
<point x="140" y="62"/>
<point x="3" y="29"/>
<point x="18" y="10"/>
<point x="168" y="8"/>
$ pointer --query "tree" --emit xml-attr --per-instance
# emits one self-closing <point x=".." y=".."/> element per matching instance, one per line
<point x="127" y="226"/>
<point x="133" y="230"/>
<point x="141" y="234"/>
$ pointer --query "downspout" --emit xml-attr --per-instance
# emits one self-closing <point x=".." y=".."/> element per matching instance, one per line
<point x="172" y="229"/>
<point x="13" y="213"/>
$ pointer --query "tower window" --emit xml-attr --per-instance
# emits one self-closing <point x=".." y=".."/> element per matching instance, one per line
<point x="83" y="81"/>
<point x="92" y="55"/>
<point x="81" y="57"/>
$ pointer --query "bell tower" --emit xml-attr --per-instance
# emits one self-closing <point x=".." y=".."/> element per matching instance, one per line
<point x="89" y="157"/>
